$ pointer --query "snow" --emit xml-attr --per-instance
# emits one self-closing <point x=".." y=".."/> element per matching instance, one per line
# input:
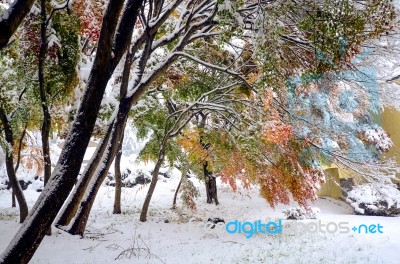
<point x="370" y="195"/>
<point x="4" y="12"/>
<point x="186" y="239"/>
<point x="53" y="40"/>
<point x="380" y="138"/>
<point x="85" y="69"/>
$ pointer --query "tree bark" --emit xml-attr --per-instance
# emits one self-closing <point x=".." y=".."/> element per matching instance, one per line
<point x="118" y="180"/>
<point x="31" y="233"/>
<point x="20" y="147"/>
<point x="16" y="188"/>
<point x="16" y="13"/>
<point x="13" y="202"/>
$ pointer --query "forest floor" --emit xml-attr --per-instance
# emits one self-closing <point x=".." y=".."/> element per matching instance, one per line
<point x="185" y="237"/>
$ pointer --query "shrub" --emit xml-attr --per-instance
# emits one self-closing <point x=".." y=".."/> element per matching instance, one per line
<point x="301" y="214"/>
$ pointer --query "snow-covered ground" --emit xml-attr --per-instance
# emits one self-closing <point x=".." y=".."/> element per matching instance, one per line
<point x="186" y="239"/>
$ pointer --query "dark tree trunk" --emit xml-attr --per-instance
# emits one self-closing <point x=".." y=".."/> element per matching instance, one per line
<point x="31" y="233"/>
<point x="209" y="179"/>
<point x="211" y="185"/>
<point x="46" y="124"/>
<point x="78" y="223"/>
<point x="118" y="181"/>
<point x="16" y="188"/>
<point x="16" y="13"/>
<point x="176" y="193"/>
<point x="13" y="203"/>
<point x="72" y="204"/>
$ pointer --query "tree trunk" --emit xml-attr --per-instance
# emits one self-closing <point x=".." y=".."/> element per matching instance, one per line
<point x="122" y="94"/>
<point x="154" y="179"/>
<point x="211" y="185"/>
<point x="118" y="180"/>
<point x="14" y="16"/>
<point x="78" y="223"/>
<point x="16" y="188"/>
<point x="46" y="124"/>
<point x="21" y="140"/>
<point x="31" y="233"/>
<point x="176" y="193"/>
<point x="161" y="155"/>
<point x="13" y="203"/>
<point x="72" y="204"/>
<point x="210" y="180"/>
<point x="70" y="209"/>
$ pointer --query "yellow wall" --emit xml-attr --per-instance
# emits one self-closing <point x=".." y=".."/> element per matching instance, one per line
<point x="332" y="186"/>
<point x="391" y="124"/>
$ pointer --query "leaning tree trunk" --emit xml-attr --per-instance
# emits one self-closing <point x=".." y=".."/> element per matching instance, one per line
<point x="78" y="223"/>
<point x="118" y="180"/>
<point x="154" y="179"/>
<point x="71" y="207"/>
<point x="13" y="203"/>
<point x="211" y="185"/>
<point x="176" y="193"/>
<point x="16" y="188"/>
<point x="161" y="155"/>
<point x="12" y="19"/>
<point x="72" y="204"/>
<point x="111" y="46"/>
